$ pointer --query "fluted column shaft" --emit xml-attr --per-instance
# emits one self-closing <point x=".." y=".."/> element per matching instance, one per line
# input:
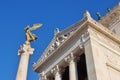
<point x="73" y="70"/>
<point x="72" y="67"/>
<point x="24" y="53"/>
<point x="23" y="67"/>
<point x="58" y="76"/>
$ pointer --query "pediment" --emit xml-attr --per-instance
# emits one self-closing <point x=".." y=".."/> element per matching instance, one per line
<point x="60" y="37"/>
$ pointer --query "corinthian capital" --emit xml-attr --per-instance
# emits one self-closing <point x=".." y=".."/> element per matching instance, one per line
<point x="43" y="76"/>
<point x="70" y="58"/>
<point x="56" y="69"/>
<point x="25" y="49"/>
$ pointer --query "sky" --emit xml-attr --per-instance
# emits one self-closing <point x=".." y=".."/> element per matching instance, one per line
<point x="15" y="15"/>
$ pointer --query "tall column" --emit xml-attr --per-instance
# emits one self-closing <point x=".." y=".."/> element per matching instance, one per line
<point x="57" y="73"/>
<point x="24" y="53"/>
<point x="72" y="67"/>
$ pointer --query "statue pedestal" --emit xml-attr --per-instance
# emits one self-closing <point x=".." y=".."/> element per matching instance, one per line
<point x="24" y="53"/>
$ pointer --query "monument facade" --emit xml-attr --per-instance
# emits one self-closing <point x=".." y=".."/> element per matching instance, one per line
<point x="87" y="50"/>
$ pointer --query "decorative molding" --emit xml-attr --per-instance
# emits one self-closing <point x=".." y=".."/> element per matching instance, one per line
<point x="85" y="36"/>
<point x="81" y="46"/>
<point x="113" y="66"/>
<point x="113" y="61"/>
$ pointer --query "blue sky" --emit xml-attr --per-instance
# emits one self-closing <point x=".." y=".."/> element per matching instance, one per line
<point x="16" y="14"/>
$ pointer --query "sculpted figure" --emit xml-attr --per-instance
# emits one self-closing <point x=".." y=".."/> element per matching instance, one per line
<point x="29" y="35"/>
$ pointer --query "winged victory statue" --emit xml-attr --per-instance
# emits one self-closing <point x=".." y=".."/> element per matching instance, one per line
<point x="29" y="35"/>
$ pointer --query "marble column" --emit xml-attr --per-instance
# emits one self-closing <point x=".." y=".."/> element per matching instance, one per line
<point x="24" y="53"/>
<point x="73" y="75"/>
<point x="58" y="76"/>
<point x="57" y="73"/>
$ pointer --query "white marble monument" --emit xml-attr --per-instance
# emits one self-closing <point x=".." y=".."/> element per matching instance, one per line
<point x="87" y="50"/>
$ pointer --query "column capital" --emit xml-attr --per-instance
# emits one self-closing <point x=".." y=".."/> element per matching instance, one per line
<point x="25" y="49"/>
<point x="56" y="69"/>
<point x="70" y="58"/>
<point x="43" y="76"/>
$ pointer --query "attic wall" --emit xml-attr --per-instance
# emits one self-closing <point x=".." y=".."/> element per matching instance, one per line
<point x="115" y="25"/>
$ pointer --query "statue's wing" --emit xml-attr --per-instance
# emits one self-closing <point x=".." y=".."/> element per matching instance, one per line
<point x="35" y="26"/>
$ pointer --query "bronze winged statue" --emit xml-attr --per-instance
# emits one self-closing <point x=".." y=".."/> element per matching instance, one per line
<point x="29" y="35"/>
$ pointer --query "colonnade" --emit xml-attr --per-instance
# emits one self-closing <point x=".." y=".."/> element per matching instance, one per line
<point x="57" y="71"/>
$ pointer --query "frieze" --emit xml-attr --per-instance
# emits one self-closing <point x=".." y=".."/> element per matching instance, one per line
<point x="59" y="40"/>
